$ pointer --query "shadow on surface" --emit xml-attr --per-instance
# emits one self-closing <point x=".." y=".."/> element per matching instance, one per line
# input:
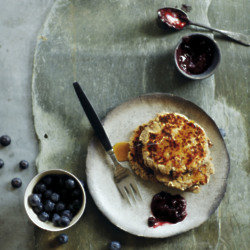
<point x="152" y="28"/>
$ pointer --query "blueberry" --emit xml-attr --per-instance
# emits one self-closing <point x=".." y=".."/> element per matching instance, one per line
<point x="71" y="208"/>
<point x="47" y="180"/>
<point x="76" y="193"/>
<point x="114" y="245"/>
<point x="43" y="216"/>
<point x="40" y="188"/>
<point x="151" y="221"/>
<point x="1" y="163"/>
<point x="62" y="238"/>
<point x="64" y="221"/>
<point x="68" y="214"/>
<point x="39" y="195"/>
<point x="55" y="219"/>
<point x="23" y="164"/>
<point x="38" y="209"/>
<point x="70" y="184"/>
<point x="60" y="206"/>
<point x="34" y="200"/>
<point x="16" y="183"/>
<point x="55" y="197"/>
<point x="64" y="193"/>
<point x="76" y="204"/>
<point x="222" y="132"/>
<point x="47" y="194"/>
<point x="49" y="206"/>
<point x="5" y="140"/>
<point x="60" y="181"/>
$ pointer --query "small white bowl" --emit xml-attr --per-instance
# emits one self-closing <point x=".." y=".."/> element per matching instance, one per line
<point x="49" y="225"/>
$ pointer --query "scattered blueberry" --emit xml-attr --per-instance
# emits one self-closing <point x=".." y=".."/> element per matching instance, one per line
<point x="70" y="184"/>
<point x="38" y="209"/>
<point x="43" y="216"/>
<point x="62" y="238"/>
<point x="34" y="200"/>
<point x="16" y="183"/>
<point x="64" y="221"/>
<point x="68" y="214"/>
<point x="49" y="206"/>
<point x="114" y="245"/>
<point x="60" y="206"/>
<point x="47" y="180"/>
<point x="1" y="163"/>
<point x="40" y="188"/>
<point x="23" y="164"/>
<point x="47" y="194"/>
<point x="55" y="197"/>
<point x="55" y="219"/>
<point x="5" y="140"/>
<point x="222" y="132"/>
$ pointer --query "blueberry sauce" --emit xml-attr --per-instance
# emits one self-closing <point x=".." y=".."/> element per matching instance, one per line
<point x="172" y="18"/>
<point x="167" y="208"/>
<point x="195" y="54"/>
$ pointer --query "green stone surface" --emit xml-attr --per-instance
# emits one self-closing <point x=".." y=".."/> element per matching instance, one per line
<point x="117" y="52"/>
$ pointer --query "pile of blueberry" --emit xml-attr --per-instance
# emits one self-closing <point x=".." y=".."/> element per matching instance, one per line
<point x="56" y="198"/>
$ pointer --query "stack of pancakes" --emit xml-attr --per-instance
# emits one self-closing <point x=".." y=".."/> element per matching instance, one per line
<point x="173" y="150"/>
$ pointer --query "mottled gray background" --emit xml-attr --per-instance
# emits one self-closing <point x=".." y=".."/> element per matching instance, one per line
<point x="225" y="98"/>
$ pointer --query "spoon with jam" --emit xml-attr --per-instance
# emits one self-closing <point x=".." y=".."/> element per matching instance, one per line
<point x="177" y="19"/>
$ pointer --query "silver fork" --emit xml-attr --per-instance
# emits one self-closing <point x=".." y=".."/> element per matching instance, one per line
<point x="123" y="177"/>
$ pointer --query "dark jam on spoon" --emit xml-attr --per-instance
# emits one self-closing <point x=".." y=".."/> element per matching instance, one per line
<point x="195" y="54"/>
<point x="167" y="208"/>
<point x="172" y="18"/>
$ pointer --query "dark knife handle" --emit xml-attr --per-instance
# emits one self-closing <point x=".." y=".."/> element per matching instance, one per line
<point x="93" y="118"/>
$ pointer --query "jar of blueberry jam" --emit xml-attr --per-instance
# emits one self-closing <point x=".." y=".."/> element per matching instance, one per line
<point x="167" y="208"/>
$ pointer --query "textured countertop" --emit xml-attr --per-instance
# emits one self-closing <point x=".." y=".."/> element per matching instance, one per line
<point x="20" y="22"/>
<point x="225" y="97"/>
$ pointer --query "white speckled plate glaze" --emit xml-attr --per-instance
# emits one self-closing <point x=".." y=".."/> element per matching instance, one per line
<point x="119" y="125"/>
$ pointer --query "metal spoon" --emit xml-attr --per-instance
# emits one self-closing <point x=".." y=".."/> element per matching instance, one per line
<point x="177" y="19"/>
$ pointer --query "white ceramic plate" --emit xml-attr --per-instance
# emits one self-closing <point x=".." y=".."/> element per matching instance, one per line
<point x="119" y="124"/>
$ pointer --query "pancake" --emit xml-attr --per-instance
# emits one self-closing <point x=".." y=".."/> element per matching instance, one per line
<point x="135" y="156"/>
<point x="190" y="181"/>
<point x="172" y="150"/>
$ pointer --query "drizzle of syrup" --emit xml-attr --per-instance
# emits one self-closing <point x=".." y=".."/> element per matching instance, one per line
<point x="121" y="151"/>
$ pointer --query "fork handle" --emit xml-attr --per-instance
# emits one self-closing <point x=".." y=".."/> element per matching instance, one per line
<point x="93" y="118"/>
